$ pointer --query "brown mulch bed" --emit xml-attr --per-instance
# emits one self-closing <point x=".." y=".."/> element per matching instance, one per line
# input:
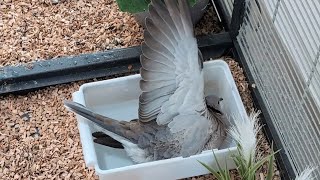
<point x="36" y="29"/>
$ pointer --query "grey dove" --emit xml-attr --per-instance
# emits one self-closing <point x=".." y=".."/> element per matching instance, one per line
<point x="175" y="117"/>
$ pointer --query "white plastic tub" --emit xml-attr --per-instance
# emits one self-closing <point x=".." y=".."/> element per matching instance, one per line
<point x="118" y="99"/>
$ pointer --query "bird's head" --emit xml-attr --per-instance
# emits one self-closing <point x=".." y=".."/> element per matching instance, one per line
<point x="214" y="104"/>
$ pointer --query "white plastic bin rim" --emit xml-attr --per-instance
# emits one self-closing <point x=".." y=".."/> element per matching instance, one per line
<point x="118" y="98"/>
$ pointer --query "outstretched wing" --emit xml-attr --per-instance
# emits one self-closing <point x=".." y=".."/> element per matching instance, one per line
<point x="172" y="80"/>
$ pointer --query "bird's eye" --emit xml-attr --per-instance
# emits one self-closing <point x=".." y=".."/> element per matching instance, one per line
<point x="221" y="99"/>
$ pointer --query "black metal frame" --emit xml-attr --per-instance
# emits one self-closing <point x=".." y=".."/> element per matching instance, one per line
<point x="22" y="79"/>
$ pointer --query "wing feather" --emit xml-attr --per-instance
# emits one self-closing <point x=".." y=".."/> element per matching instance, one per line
<point x="147" y="86"/>
<point x="151" y="54"/>
<point x="155" y="75"/>
<point x="154" y="65"/>
<point x="167" y="25"/>
<point x="172" y="80"/>
<point x="154" y="33"/>
<point x="149" y="96"/>
<point x="175" y="15"/>
<point x="158" y="46"/>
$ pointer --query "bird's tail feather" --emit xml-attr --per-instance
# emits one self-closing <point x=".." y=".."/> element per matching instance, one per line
<point x="104" y="139"/>
<point x="109" y="124"/>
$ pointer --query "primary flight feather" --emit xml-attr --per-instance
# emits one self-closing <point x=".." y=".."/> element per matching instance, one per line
<point x="175" y="117"/>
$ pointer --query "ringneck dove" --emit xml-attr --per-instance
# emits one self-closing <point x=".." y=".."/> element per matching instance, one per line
<point x="175" y="117"/>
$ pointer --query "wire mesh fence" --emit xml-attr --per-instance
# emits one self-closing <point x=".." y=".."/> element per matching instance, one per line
<point x="280" y="40"/>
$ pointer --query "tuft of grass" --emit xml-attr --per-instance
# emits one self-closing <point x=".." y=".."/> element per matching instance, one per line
<point x="244" y="132"/>
<point x="222" y="173"/>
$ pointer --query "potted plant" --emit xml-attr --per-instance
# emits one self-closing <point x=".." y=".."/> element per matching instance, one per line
<point x="139" y="9"/>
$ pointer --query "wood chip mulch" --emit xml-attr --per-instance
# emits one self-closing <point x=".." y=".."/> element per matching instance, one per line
<point x="37" y="29"/>
<point x="39" y="139"/>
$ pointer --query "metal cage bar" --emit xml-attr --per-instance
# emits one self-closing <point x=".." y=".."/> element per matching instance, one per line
<point x="279" y="41"/>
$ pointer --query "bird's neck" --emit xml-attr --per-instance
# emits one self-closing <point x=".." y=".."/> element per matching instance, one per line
<point x="209" y="114"/>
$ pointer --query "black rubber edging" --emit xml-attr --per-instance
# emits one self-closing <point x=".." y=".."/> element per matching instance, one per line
<point x="25" y="78"/>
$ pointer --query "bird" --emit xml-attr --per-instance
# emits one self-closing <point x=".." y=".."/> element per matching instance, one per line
<point x="175" y="118"/>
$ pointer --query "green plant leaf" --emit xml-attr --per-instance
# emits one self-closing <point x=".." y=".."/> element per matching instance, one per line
<point x="216" y="174"/>
<point x="221" y="174"/>
<point x="257" y="165"/>
<point x="226" y="171"/>
<point x="215" y="158"/>
<point x="135" y="6"/>
<point x="270" y="168"/>
<point x="240" y="161"/>
<point x="240" y="164"/>
<point x="192" y="2"/>
<point x="250" y="161"/>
